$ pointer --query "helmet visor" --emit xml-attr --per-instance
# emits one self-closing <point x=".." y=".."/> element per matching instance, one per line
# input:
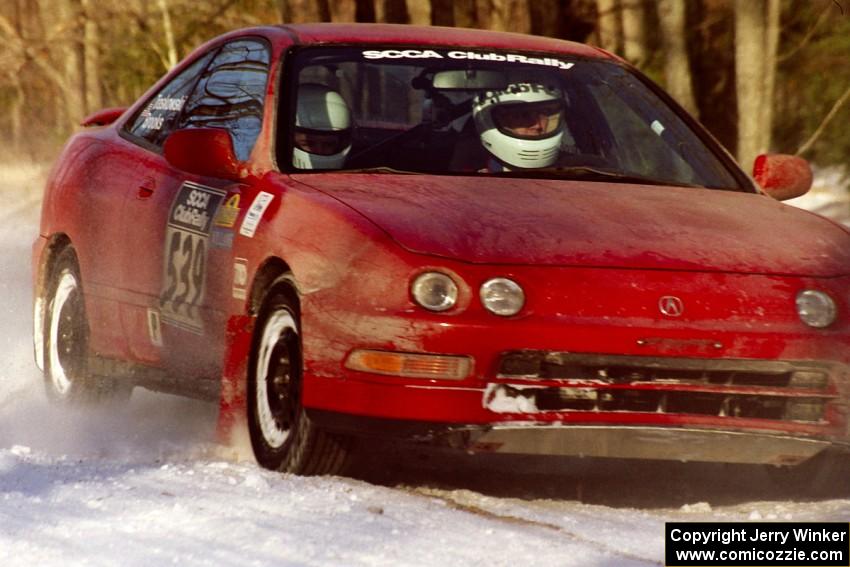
<point x="322" y="142"/>
<point x="529" y="120"/>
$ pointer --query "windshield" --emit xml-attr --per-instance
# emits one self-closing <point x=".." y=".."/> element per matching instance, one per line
<point x="451" y="111"/>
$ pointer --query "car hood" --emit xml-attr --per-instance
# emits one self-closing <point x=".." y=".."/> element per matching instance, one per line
<point x="567" y="223"/>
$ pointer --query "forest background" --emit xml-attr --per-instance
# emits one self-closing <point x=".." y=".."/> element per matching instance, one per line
<point x="762" y="75"/>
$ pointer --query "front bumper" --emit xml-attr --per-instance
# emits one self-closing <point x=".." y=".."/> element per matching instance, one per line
<point x="621" y="406"/>
<point x="732" y="381"/>
<point x="607" y="441"/>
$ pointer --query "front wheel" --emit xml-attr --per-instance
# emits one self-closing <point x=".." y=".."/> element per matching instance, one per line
<point x="282" y="436"/>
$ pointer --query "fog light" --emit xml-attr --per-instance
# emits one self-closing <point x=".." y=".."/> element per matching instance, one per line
<point x="434" y="291"/>
<point x="502" y="296"/>
<point x="815" y="308"/>
<point x="438" y="367"/>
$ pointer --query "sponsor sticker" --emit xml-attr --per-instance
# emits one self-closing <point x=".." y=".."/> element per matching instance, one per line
<point x="255" y="214"/>
<point x="221" y="238"/>
<point x="240" y="278"/>
<point x="186" y="242"/>
<point x="465" y="56"/>
<point x="159" y="109"/>
<point x="227" y="214"/>
<point x="154" y="327"/>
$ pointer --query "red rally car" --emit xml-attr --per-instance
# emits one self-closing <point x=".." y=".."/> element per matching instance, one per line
<point x="487" y="241"/>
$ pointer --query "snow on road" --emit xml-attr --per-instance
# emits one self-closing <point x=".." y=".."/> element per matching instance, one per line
<point x="146" y="485"/>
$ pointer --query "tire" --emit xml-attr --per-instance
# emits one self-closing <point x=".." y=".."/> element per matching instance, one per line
<point x="821" y="476"/>
<point x="66" y="333"/>
<point x="282" y="436"/>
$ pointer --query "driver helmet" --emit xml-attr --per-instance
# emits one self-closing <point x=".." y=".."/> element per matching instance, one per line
<point x="521" y="126"/>
<point x="322" y="137"/>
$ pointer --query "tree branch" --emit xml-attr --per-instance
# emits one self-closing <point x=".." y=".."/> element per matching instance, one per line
<point x="829" y="116"/>
<point x="806" y="39"/>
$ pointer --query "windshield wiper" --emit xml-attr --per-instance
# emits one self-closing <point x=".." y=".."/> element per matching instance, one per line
<point x="585" y="173"/>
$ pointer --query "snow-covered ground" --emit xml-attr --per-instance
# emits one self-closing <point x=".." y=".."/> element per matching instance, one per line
<point x="829" y="196"/>
<point x="146" y="485"/>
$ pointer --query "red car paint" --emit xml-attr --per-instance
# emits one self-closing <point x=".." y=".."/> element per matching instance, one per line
<point x="595" y="259"/>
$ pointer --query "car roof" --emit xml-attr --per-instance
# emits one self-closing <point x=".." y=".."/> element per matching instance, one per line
<point x="417" y="36"/>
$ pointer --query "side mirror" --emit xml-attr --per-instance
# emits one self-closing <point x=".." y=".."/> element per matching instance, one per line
<point x="203" y="151"/>
<point x="782" y="176"/>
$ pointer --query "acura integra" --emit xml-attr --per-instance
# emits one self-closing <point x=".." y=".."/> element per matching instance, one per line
<point x="485" y="241"/>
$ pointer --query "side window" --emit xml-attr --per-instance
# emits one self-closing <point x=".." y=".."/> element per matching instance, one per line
<point x="231" y="93"/>
<point x="157" y="119"/>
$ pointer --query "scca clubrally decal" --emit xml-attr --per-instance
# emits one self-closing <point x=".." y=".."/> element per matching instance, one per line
<point x="186" y="242"/>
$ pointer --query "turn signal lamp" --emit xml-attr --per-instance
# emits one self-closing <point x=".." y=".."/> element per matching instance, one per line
<point x="437" y="367"/>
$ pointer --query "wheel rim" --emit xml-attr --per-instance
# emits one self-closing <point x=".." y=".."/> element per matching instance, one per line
<point x="66" y="340"/>
<point x="277" y="376"/>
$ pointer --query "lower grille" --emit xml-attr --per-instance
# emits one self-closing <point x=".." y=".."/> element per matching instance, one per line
<point x="555" y="381"/>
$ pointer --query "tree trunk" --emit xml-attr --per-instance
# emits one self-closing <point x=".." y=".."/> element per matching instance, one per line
<point x="442" y="13"/>
<point x="303" y="11"/>
<point x="773" y="16"/>
<point x="465" y="13"/>
<point x="343" y="10"/>
<point x="91" y="50"/>
<point x="16" y="118"/>
<point x="634" y="32"/>
<point x="546" y="17"/>
<point x="74" y="82"/>
<point x="502" y="15"/>
<point x="609" y="25"/>
<point x="419" y="12"/>
<point x="750" y="41"/>
<point x="168" y="34"/>
<point x="364" y="11"/>
<point x="395" y="12"/>
<point x="677" y="70"/>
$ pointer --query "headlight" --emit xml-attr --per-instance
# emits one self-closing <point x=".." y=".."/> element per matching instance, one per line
<point x="502" y="296"/>
<point x="434" y="291"/>
<point x="815" y="308"/>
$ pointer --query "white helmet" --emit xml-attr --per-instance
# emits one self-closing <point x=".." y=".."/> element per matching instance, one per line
<point x="322" y="128"/>
<point x="522" y="125"/>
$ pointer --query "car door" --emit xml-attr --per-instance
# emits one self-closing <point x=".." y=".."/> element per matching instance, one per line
<point x="185" y="226"/>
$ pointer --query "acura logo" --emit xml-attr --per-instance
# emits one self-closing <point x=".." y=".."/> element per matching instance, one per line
<point x="671" y="306"/>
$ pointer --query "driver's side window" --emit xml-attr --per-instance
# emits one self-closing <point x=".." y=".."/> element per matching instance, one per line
<point x="231" y="94"/>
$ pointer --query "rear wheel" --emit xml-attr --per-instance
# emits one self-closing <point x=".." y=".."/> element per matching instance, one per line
<point x="282" y="436"/>
<point x="66" y="333"/>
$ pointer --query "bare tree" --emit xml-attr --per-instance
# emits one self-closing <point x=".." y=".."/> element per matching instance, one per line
<point x="91" y="53"/>
<point x="300" y="11"/>
<point x="168" y="33"/>
<point x="392" y="11"/>
<point x="465" y="13"/>
<point x="442" y="13"/>
<point x="842" y="100"/>
<point x="634" y="32"/>
<point x="419" y="11"/>
<point x="609" y="25"/>
<point x="500" y="15"/>
<point x="756" y="39"/>
<point x="677" y="69"/>
<point x="73" y="55"/>
<point x="343" y="10"/>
